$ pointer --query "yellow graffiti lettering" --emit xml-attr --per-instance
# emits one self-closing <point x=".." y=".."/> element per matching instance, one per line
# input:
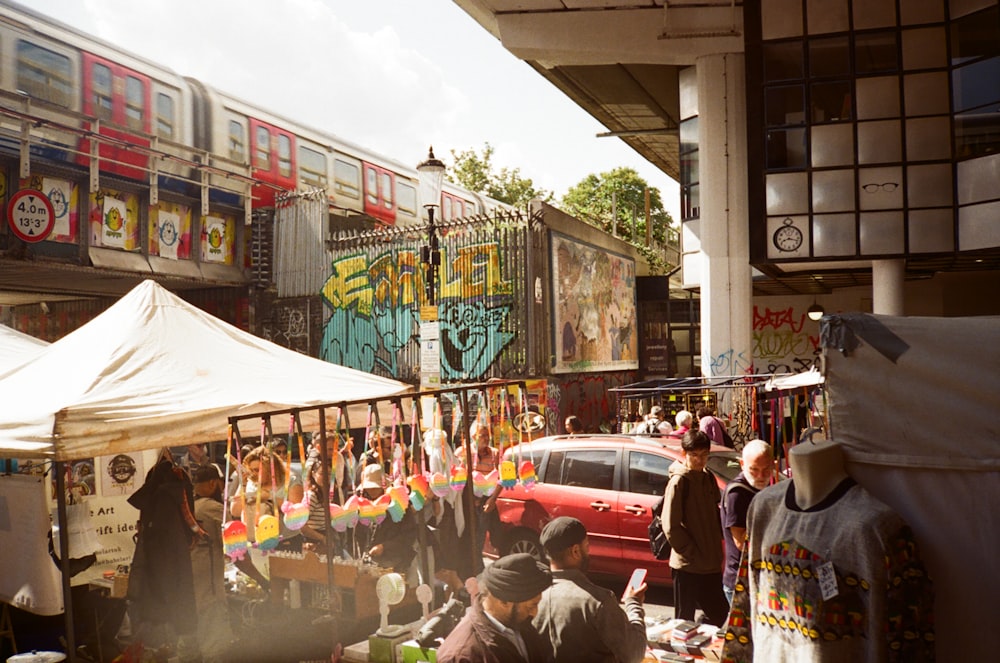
<point x="349" y="284"/>
<point x="474" y="271"/>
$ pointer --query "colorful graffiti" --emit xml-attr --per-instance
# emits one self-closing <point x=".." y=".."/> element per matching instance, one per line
<point x="781" y="341"/>
<point x="375" y="301"/>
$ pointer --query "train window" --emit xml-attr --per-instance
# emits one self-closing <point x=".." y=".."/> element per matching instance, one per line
<point x="44" y="74"/>
<point x="284" y="155"/>
<point x="387" y="190"/>
<point x="262" y="155"/>
<point x="406" y="198"/>
<point x="101" y="91"/>
<point x="346" y="178"/>
<point x="135" y="103"/>
<point x="371" y="185"/>
<point x="312" y="168"/>
<point x="237" y="142"/>
<point x="164" y="116"/>
<point x="446" y="208"/>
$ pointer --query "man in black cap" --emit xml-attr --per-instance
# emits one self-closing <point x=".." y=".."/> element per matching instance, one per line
<point x="583" y="621"/>
<point x="498" y="627"/>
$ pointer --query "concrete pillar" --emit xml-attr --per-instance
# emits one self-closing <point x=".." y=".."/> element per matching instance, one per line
<point x="726" y="288"/>
<point x="887" y="287"/>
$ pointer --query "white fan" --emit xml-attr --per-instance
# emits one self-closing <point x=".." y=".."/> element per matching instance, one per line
<point x="390" y="590"/>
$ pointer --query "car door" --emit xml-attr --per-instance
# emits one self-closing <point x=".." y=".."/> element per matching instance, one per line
<point x="581" y="482"/>
<point x="643" y="481"/>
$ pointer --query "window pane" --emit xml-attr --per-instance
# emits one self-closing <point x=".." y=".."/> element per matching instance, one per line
<point x="164" y="116"/>
<point x="135" y="103"/>
<point x="312" y="168"/>
<point x="101" y="83"/>
<point x="830" y="56"/>
<point x="284" y="155"/>
<point x="784" y="105"/>
<point x="830" y="102"/>
<point x="689" y="135"/>
<point x="689" y="168"/>
<point x="978" y="133"/>
<point x="783" y="61"/>
<point x="346" y="178"/>
<point x="406" y="198"/>
<point x="262" y="156"/>
<point x="647" y="473"/>
<point x="387" y="190"/>
<point x="690" y="202"/>
<point x="975" y="36"/>
<point x="976" y="84"/>
<point x="371" y="186"/>
<point x="590" y="469"/>
<point x="875" y="52"/>
<point x="237" y="142"/>
<point x="786" y="148"/>
<point x="44" y="74"/>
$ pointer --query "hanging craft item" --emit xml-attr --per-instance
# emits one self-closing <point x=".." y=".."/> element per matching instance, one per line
<point x="459" y="477"/>
<point x="380" y="507"/>
<point x="340" y="518"/>
<point x="295" y="514"/>
<point x="420" y="491"/>
<point x="366" y="511"/>
<point x="234" y="532"/>
<point x="526" y="471"/>
<point x="440" y="485"/>
<point x="397" y="505"/>
<point x="352" y="511"/>
<point x="267" y="527"/>
<point x="267" y="532"/>
<point x="483" y="485"/>
<point x="508" y="471"/>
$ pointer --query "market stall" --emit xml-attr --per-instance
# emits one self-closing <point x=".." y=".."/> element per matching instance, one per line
<point x="151" y="372"/>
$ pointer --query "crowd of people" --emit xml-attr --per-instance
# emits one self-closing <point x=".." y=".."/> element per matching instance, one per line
<point x="523" y="612"/>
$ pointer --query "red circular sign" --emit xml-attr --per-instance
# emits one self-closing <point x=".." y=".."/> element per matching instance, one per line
<point x="30" y="215"/>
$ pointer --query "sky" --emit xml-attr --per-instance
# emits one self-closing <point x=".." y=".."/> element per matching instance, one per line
<point x="394" y="76"/>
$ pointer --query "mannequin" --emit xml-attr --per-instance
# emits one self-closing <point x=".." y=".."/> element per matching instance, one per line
<point x="817" y="468"/>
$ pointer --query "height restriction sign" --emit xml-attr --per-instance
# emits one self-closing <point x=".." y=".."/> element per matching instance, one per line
<point x="30" y="215"/>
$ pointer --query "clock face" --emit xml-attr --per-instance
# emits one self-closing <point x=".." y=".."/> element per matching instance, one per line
<point x="787" y="238"/>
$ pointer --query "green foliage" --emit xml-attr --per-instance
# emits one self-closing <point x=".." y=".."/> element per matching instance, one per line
<point x="618" y="197"/>
<point x="476" y="173"/>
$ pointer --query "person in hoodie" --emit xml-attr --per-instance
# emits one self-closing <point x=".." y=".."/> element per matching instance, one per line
<point x="691" y="522"/>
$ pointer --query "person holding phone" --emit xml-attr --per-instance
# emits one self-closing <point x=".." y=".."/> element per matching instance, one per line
<point x="584" y="621"/>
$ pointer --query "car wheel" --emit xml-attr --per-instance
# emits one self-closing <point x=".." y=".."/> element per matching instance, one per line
<point x="524" y="541"/>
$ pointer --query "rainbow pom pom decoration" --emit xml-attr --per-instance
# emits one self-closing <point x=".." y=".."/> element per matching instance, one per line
<point x="440" y="485"/>
<point x="234" y="539"/>
<point x="459" y="477"/>
<point x="483" y="485"/>
<point x="508" y="474"/>
<point x="366" y="511"/>
<point x="420" y="490"/>
<point x="295" y="515"/>
<point x="381" y="507"/>
<point x="340" y="519"/>
<point x="527" y="474"/>
<point x="352" y="511"/>
<point x="397" y="505"/>
<point x="267" y="532"/>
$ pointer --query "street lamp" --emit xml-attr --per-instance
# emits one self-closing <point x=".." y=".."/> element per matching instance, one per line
<point x="430" y="173"/>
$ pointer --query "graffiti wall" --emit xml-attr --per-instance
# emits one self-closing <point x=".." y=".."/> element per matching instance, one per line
<point x="785" y="340"/>
<point x="374" y="293"/>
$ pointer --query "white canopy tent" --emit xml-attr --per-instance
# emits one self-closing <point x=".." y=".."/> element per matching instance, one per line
<point x="17" y="347"/>
<point x="154" y="371"/>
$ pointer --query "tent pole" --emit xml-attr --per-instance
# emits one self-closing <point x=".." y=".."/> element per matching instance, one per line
<point x="60" y="470"/>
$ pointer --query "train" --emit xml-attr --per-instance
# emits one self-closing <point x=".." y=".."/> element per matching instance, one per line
<point x="136" y="111"/>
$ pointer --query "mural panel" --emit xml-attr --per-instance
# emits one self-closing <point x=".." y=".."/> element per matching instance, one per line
<point x="594" y="313"/>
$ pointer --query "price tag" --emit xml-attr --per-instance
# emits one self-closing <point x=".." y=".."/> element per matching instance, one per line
<point x="827" y="581"/>
<point x="30" y="215"/>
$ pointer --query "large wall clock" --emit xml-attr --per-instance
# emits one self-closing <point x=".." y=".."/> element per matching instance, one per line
<point x="787" y="237"/>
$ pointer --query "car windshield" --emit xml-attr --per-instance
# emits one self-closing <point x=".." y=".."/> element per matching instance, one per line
<point x="725" y="464"/>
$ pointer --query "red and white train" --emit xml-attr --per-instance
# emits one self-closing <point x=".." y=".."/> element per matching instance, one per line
<point x="141" y="107"/>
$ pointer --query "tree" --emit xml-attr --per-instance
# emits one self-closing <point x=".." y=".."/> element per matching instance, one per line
<point x="475" y="172"/>
<point x="620" y="194"/>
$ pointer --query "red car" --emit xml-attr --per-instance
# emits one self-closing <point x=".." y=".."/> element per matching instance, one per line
<point x="608" y="482"/>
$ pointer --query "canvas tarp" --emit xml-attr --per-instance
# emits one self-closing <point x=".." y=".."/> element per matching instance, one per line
<point x="17" y="347"/>
<point x="154" y="371"/>
<point x="915" y="402"/>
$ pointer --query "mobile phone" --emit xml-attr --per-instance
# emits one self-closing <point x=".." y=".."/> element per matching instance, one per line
<point x="638" y="577"/>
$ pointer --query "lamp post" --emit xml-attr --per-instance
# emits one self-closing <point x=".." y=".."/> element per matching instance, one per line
<point x="430" y="173"/>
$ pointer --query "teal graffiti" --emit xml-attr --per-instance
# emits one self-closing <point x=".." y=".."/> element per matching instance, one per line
<point x="368" y="343"/>
<point x="471" y="338"/>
